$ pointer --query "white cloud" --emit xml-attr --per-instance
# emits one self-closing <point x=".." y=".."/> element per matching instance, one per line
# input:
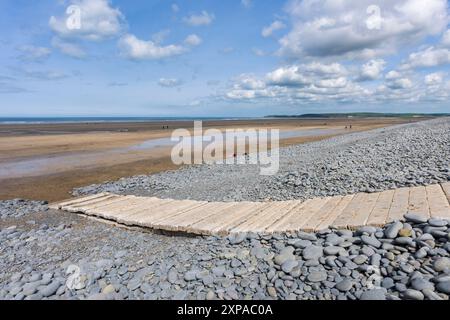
<point x="433" y="79"/>
<point x="202" y="19"/>
<point x="340" y="82"/>
<point x="287" y="76"/>
<point x="338" y="28"/>
<point x="34" y="53"/>
<point x="249" y="82"/>
<point x="98" y="21"/>
<point x="392" y="75"/>
<point x="193" y="40"/>
<point x="175" y="7"/>
<point x="430" y="57"/>
<point x="137" y="49"/>
<point x="372" y="70"/>
<point x="400" y="83"/>
<point x="274" y="26"/>
<point x="446" y="39"/>
<point x="68" y="48"/>
<point x="160" y="36"/>
<point x="169" y="82"/>
<point x="306" y="82"/>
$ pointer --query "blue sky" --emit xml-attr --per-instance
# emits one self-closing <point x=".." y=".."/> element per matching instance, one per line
<point x="222" y="58"/>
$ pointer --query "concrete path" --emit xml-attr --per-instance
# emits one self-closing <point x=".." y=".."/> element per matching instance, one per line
<point x="206" y="218"/>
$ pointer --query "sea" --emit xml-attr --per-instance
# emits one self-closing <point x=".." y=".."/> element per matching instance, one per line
<point x="44" y="120"/>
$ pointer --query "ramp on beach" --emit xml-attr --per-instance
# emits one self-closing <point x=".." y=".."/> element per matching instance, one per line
<point x="208" y="218"/>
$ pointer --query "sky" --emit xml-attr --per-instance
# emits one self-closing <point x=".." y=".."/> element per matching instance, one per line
<point x="244" y="58"/>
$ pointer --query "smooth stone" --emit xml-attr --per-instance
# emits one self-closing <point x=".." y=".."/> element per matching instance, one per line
<point x="272" y="292"/>
<point x="392" y="230"/>
<point x="367" y="229"/>
<point x="210" y="295"/>
<point x="334" y="239"/>
<point x="237" y="238"/>
<point x="50" y="289"/>
<point x="317" y="276"/>
<point x="332" y="250"/>
<point x="190" y="275"/>
<point x="312" y="252"/>
<point x="371" y="241"/>
<point x="421" y="284"/>
<point x="416" y="218"/>
<point x="443" y="287"/>
<point x="374" y="294"/>
<point x="411" y="294"/>
<point x="301" y="244"/>
<point x="180" y="295"/>
<point x="431" y="295"/>
<point x="172" y="276"/>
<point x="388" y="283"/>
<point x="405" y="232"/>
<point x="282" y="258"/>
<point x="306" y="236"/>
<point x="109" y="289"/>
<point x="420" y="254"/>
<point x="344" y="285"/>
<point x="406" y="241"/>
<point x="134" y="284"/>
<point x="218" y="271"/>
<point x="360" y="259"/>
<point x="441" y="264"/>
<point x="288" y="265"/>
<point x="437" y="222"/>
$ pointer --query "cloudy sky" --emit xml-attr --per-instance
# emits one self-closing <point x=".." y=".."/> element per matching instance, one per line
<point x="222" y="58"/>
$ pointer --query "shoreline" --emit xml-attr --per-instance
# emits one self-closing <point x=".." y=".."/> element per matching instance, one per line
<point x="81" y="139"/>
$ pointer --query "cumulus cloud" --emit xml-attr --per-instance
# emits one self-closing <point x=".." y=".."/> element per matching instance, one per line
<point x="339" y="28"/>
<point x="138" y="49"/>
<point x="400" y="83"/>
<point x="202" y="19"/>
<point x="175" y="8"/>
<point x="372" y="70"/>
<point x="193" y="40"/>
<point x="68" y="48"/>
<point x="307" y="82"/>
<point x="160" y="36"/>
<point x="274" y="26"/>
<point x="430" y="57"/>
<point x="33" y="53"/>
<point x="433" y="79"/>
<point x="97" y="19"/>
<point x="287" y="76"/>
<point x="169" y="82"/>
<point x="393" y="74"/>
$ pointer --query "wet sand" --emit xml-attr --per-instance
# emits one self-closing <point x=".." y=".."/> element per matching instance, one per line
<point x="21" y="143"/>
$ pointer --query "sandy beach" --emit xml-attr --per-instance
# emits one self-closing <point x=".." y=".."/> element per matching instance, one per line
<point x="59" y="157"/>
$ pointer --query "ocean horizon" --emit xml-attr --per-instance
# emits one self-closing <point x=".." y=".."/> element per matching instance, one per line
<point x="44" y="120"/>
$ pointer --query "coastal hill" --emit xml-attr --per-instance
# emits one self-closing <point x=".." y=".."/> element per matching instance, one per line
<point x="361" y="115"/>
